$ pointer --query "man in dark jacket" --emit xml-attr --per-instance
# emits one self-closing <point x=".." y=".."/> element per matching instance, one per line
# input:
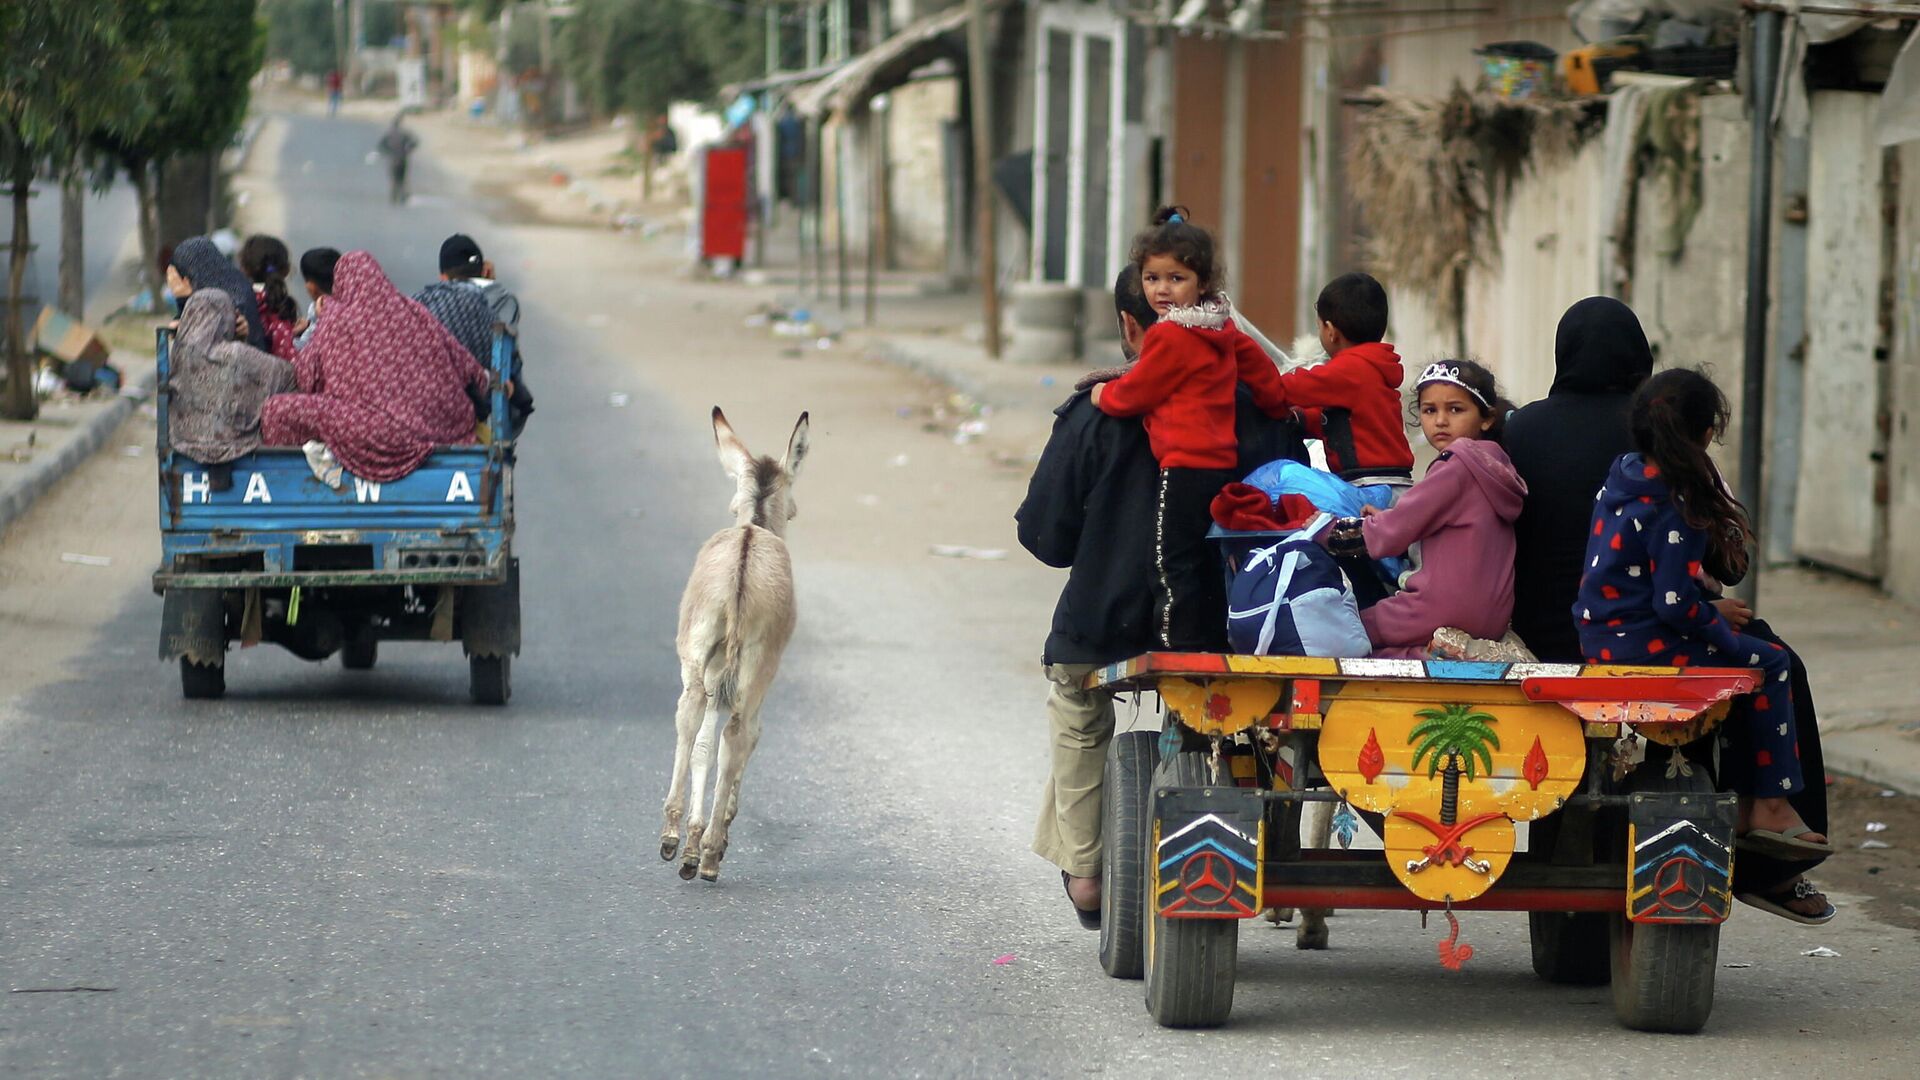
<point x="1090" y="510"/>
<point x="1563" y="446"/>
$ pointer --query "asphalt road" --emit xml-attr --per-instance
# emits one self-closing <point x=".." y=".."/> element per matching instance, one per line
<point x="339" y="874"/>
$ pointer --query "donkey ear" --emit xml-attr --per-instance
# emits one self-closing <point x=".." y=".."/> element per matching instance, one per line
<point x="734" y="457"/>
<point x="796" y="448"/>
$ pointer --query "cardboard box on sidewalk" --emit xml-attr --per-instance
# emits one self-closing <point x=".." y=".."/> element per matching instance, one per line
<point x="66" y="339"/>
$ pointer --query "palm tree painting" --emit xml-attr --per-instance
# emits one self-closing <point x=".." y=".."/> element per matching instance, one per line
<point x="1453" y="738"/>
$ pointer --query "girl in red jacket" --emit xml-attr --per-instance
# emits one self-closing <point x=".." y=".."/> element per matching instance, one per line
<point x="1183" y="388"/>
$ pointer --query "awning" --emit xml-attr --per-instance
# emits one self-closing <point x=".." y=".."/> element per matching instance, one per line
<point x="779" y="80"/>
<point x="884" y="66"/>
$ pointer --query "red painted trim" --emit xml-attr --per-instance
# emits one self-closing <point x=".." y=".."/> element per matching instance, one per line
<point x="1697" y="686"/>
<point x="1395" y="898"/>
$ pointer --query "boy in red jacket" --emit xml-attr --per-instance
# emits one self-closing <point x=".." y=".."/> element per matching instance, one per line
<point x="1352" y="402"/>
<point x="1183" y="388"/>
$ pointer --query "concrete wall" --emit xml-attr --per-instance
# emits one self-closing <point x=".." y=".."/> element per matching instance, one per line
<point x="917" y="114"/>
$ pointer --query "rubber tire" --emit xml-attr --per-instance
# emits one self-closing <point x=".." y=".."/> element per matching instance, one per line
<point x="202" y="682"/>
<point x="360" y="653"/>
<point x="1663" y="974"/>
<point x="490" y="679"/>
<point x="1125" y="822"/>
<point x="1570" y="947"/>
<point x="1191" y="963"/>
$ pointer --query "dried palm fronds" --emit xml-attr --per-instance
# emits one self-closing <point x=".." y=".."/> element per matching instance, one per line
<point x="1430" y="176"/>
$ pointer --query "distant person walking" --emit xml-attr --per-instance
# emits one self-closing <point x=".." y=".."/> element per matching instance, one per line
<point x="333" y="92"/>
<point x="397" y="145"/>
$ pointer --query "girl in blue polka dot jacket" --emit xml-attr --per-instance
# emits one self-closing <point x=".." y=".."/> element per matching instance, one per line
<point x="1661" y="526"/>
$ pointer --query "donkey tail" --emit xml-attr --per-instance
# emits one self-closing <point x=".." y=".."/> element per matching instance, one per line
<point x="722" y="674"/>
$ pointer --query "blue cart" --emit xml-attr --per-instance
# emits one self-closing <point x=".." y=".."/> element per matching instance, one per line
<point x="277" y="556"/>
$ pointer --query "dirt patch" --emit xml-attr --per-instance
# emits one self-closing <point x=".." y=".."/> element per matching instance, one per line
<point x="1890" y="875"/>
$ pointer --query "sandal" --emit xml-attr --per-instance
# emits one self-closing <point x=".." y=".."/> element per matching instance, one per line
<point x="1781" y="845"/>
<point x="1089" y="920"/>
<point x="1777" y="901"/>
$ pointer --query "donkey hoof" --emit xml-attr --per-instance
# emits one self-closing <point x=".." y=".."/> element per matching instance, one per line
<point x="687" y="870"/>
<point x="669" y="847"/>
<point x="1310" y="937"/>
<point x="709" y="875"/>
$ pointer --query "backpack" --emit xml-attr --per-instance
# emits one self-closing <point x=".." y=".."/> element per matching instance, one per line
<point x="1291" y="599"/>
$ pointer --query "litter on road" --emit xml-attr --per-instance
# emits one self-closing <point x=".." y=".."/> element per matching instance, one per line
<point x="961" y="551"/>
<point x="1875" y="845"/>
<point x="617" y="400"/>
<point x="85" y="560"/>
<point x="1876" y="826"/>
<point x="1822" y="952"/>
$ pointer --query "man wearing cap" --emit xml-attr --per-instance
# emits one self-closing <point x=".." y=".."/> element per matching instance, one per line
<point x="469" y="303"/>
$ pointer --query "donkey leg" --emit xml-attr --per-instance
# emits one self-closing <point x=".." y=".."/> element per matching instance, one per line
<point x="736" y="746"/>
<point x="686" y="721"/>
<point x="702" y="766"/>
<point x="1312" y="931"/>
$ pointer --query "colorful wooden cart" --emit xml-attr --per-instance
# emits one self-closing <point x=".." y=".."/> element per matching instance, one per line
<point x="1628" y="867"/>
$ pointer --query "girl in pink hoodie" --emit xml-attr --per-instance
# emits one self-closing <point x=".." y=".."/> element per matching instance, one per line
<point x="1461" y="514"/>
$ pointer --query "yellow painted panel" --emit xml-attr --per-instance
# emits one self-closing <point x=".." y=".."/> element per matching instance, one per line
<point x="1486" y="851"/>
<point x="1346" y="758"/>
<point x="1303" y="666"/>
<point x="1220" y="706"/>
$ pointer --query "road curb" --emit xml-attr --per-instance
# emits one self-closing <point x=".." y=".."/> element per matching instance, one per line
<point x="1862" y="755"/>
<point x="21" y="495"/>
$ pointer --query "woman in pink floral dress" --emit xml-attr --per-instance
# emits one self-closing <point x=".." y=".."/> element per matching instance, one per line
<point x="381" y="383"/>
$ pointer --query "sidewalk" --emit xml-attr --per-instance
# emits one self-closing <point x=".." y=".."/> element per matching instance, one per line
<point x="1858" y="645"/>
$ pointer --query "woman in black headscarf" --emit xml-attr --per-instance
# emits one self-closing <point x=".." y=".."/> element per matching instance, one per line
<point x="1562" y="446"/>
<point x="197" y="264"/>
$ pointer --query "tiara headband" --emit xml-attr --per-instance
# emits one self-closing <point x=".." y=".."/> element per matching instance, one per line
<point x="1449" y="373"/>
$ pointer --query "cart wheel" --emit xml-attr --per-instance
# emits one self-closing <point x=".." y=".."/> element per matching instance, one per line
<point x="1663" y="973"/>
<point x="489" y="681"/>
<point x="361" y="651"/>
<point x="1124" y="835"/>
<point x="1569" y="947"/>
<point x="1190" y="962"/>
<point x="202" y="681"/>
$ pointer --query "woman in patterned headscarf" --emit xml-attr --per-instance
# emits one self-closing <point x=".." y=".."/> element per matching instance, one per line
<point x="197" y="264"/>
<point x="218" y="385"/>
<point x="381" y="383"/>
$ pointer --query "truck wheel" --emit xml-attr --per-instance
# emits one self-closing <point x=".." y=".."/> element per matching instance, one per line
<point x="1663" y="973"/>
<point x="202" y="681"/>
<point x="1190" y="963"/>
<point x="361" y="651"/>
<point x="1569" y="947"/>
<point x="489" y="681"/>
<point x="1126" y="819"/>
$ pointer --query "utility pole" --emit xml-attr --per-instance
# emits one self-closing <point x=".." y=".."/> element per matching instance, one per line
<point x="980" y="82"/>
<point x="1753" y="384"/>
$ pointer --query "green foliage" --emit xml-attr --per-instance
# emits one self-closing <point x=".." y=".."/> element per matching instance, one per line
<point x="1454" y="730"/>
<point x="69" y="69"/>
<point x="301" y="32"/>
<point x="640" y="56"/>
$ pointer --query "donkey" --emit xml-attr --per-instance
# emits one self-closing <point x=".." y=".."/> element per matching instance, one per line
<point x="735" y="619"/>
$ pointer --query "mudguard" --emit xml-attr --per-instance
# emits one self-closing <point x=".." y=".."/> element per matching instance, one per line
<point x="490" y="616"/>
<point x="1208" y="859"/>
<point x="193" y="624"/>
<point x="1681" y="866"/>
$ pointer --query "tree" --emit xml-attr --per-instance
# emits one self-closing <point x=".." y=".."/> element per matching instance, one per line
<point x="194" y="100"/>
<point x="641" y="56"/>
<point x="67" y="68"/>
<point x="1458" y="736"/>
<point x="301" y="32"/>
